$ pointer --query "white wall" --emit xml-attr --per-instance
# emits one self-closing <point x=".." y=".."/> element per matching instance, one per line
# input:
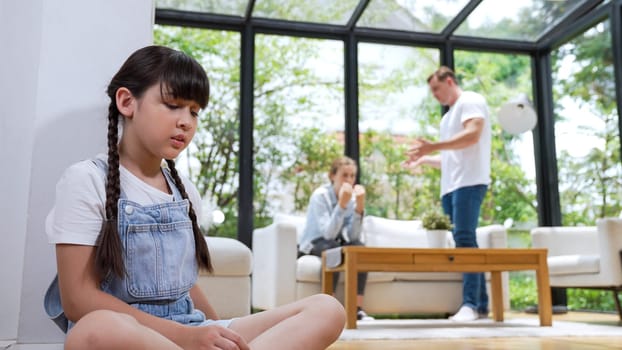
<point x="18" y="75"/>
<point x="56" y="60"/>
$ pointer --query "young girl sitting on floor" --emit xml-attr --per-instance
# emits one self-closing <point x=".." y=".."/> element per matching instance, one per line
<point x="128" y="246"/>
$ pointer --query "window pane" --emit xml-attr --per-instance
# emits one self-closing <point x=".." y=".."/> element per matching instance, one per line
<point x="394" y="107"/>
<point x="517" y="19"/>
<point x="224" y="7"/>
<point x="299" y="120"/>
<point x="212" y="158"/>
<point x="586" y="128"/>
<point x="319" y="11"/>
<point x="421" y="16"/>
<point x="512" y="192"/>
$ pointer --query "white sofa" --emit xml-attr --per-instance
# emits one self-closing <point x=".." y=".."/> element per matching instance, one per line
<point x="279" y="277"/>
<point x="228" y="288"/>
<point x="584" y="256"/>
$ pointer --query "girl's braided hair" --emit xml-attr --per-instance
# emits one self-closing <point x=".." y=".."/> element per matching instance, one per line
<point x="181" y="77"/>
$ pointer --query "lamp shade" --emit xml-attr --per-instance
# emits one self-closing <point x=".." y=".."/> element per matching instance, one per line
<point x="517" y="115"/>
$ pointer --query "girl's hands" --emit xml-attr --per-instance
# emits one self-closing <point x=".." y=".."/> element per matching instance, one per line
<point x="212" y="338"/>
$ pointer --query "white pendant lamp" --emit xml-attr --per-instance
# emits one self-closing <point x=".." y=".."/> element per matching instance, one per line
<point x="517" y="115"/>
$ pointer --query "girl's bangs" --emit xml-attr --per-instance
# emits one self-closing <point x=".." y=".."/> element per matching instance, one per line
<point x="183" y="78"/>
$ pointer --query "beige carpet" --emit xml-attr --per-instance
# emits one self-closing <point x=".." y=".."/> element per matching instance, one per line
<point x="486" y="328"/>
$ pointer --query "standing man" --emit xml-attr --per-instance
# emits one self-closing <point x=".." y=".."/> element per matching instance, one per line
<point x="464" y="161"/>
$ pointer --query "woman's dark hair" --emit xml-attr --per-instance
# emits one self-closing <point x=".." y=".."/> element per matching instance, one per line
<point x="179" y="76"/>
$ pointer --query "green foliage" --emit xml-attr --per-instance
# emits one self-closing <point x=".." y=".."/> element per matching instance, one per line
<point x="590" y="299"/>
<point x="292" y="154"/>
<point x="214" y="150"/>
<point x="436" y="220"/>
<point x="500" y="77"/>
<point x="522" y="290"/>
<point x="523" y="294"/>
<point x="590" y="183"/>
<point x="315" y="153"/>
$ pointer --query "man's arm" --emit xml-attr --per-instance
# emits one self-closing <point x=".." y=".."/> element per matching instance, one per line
<point x="468" y="136"/>
<point x="432" y="161"/>
<point x="465" y="138"/>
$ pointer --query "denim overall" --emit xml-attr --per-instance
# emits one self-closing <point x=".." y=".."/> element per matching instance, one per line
<point x="160" y="262"/>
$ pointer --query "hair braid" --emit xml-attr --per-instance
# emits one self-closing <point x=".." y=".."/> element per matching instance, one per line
<point x="109" y="256"/>
<point x="201" y="251"/>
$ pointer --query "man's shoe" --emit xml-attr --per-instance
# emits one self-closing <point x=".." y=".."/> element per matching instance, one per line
<point x="465" y="314"/>
<point x="361" y="315"/>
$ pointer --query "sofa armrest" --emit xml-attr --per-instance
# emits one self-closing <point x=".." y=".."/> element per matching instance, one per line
<point x="610" y="249"/>
<point x="492" y="236"/>
<point x="274" y="260"/>
<point x="566" y="240"/>
<point x="228" y="287"/>
<point x="229" y="257"/>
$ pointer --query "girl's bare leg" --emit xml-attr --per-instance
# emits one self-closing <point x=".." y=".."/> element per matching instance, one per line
<point x="312" y="323"/>
<point x="109" y="330"/>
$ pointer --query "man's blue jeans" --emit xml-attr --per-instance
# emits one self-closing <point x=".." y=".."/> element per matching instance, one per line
<point x="463" y="206"/>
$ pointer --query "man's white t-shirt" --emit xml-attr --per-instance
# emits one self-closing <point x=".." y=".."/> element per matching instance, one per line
<point x="471" y="165"/>
<point x="79" y="209"/>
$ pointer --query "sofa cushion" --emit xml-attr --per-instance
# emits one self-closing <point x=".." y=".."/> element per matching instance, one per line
<point x="309" y="269"/>
<point x="381" y="232"/>
<point x="573" y="264"/>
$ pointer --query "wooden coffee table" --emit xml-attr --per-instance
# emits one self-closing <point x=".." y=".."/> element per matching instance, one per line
<point x="357" y="259"/>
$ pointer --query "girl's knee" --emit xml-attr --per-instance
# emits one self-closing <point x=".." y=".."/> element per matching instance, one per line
<point x="100" y="328"/>
<point x="330" y="307"/>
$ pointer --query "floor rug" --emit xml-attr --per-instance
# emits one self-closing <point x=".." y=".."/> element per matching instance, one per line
<point x="486" y="328"/>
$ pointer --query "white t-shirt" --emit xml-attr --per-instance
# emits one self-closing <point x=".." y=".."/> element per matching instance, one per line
<point x="79" y="209"/>
<point x="471" y="165"/>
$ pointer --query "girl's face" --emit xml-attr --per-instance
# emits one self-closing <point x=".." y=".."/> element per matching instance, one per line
<point x="160" y="126"/>
<point x="345" y="173"/>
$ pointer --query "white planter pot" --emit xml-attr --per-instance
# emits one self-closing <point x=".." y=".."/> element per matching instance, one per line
<point x="437" y="238"/>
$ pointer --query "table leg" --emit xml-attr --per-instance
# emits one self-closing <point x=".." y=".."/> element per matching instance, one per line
<point x="327" y="277"/>
<point x="544" y="292"/>
<point x="350" y="289"/>
<point x="496" y="289"/>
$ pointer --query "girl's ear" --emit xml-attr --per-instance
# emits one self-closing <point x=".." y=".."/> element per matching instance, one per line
<point x="125" y="102"/>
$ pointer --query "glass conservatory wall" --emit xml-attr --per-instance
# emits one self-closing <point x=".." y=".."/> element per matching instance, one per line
<point x="299" y="120"/>
<point x="586" y="128"/>
<point x="511" y="197"/>
<point x="429" y="16"/>
<point x="395" y="107"/>
<point x="211" y="161"/>
<point x="515" y="20"/>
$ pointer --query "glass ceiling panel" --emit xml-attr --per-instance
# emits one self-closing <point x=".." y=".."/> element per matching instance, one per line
<point x="411" y="15"/>
<point x="222" y="7"/>
<point x="317" y="11"/>
<point x="524" y="20"/>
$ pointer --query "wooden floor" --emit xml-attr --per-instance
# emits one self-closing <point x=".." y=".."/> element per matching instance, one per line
<point x="567" y="343"/>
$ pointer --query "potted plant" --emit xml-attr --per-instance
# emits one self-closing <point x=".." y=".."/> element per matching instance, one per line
<point x="437" y="226"/>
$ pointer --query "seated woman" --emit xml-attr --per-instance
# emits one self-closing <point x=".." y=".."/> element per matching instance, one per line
<point x="335" y="218"/>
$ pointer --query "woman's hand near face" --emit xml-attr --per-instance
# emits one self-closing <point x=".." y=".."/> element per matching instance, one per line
<point x="359" y="194"/>
<point x="345" y="194"/>
<point x="212" y="338"/>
